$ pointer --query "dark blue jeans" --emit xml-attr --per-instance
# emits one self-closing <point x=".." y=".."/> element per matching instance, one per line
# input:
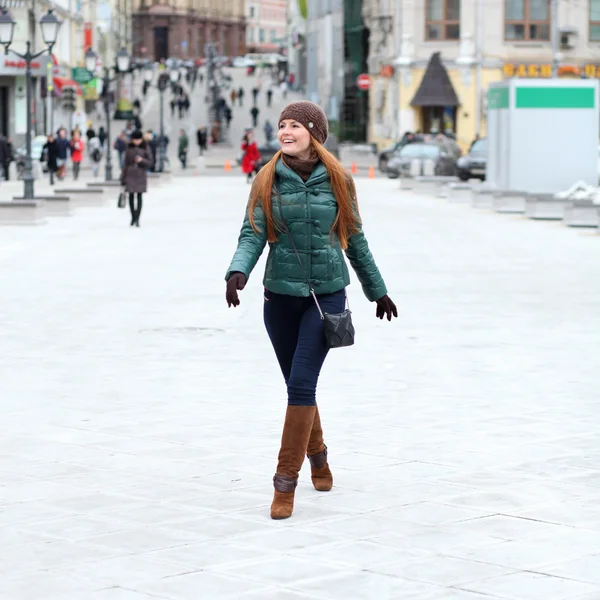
<point x="296" y="332"/>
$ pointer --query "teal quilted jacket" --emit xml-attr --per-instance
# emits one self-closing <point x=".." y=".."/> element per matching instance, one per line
<point x="310" y="209"/>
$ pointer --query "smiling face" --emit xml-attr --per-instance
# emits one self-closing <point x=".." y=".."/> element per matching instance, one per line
<point x="294" y="138"/>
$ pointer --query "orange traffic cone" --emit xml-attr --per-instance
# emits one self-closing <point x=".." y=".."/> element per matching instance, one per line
<point x="227" y="166"/>
<point x="371" y="172"/>
<point x="353" y="168"/>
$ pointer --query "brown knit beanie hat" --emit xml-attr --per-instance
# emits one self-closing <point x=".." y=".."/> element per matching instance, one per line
<point x="310" y="115"/>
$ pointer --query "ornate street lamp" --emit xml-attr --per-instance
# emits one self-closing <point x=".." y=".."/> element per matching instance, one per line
<point x="91" y="61"/>
<point x="50" y="26"/>
<point x="7" y="29"/>
<point x="122" y="63"/>
<point x="161" y="86"/>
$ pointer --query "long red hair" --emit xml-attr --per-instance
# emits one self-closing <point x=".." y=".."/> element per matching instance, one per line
<point x="347" y="221"/>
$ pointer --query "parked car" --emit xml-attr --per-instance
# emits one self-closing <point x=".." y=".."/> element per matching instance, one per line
<point x="387" y="153"/>
<point x="439" y="153"/>
<point x="474" y="163"/>
<point x="37" y="151"/>
<point x="447" y="141"/>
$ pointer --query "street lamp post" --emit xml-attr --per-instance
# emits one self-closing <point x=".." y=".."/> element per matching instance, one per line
<point x="122" y="64"/>
<point x="49" y="25"/>
<point x="161" y="86"/>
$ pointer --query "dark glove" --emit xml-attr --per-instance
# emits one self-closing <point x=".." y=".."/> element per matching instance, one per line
<point x="385" y="306"/>
<point x="236" y="281"/>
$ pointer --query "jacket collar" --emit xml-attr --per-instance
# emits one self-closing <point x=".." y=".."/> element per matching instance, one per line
<point x="285" y="174"/>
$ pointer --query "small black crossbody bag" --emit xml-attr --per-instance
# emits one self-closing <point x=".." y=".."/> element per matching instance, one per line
<point x="338" y="328"/>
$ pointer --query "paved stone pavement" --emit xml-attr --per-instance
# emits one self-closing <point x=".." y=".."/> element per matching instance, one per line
<point x="141" y="417"/>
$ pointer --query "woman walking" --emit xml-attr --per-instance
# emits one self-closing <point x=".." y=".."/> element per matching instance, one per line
<point x="51" y="149"/>
<point x="251" y="155"/>
<point x="134" y="174"/>
<point x="303" y="203"/>
<point x="77" y="148"/>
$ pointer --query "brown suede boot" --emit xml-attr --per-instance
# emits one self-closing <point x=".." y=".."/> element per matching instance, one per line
<point x="294" y="442"/>
<point x="317" y="455"/>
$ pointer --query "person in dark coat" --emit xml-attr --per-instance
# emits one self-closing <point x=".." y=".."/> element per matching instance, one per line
<point x="63" y="150"/>
<point x="202" y="137"/>
<point x="254" y="112"/>
<point x="134" y="176"/>
<point x="152" y="141"/>
<point x="241" y="96"/>
<point x="120" y="146"/>
<point x="255" y="94"/>
<point x="3" y="155"/>
<point x="102" y="136"/>
<point x="11" y="157"/>
<point x="51" y="150"/>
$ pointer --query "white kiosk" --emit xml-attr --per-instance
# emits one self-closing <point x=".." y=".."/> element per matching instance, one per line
<point x="542" y="134"/>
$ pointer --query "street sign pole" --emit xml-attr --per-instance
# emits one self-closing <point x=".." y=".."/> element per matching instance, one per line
<point x="49" y="90"/>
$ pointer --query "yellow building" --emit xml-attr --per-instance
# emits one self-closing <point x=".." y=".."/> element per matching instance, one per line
<point x="432" y="71"/>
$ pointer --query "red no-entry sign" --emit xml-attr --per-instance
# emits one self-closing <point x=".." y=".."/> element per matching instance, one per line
<point x="363" y="81"/>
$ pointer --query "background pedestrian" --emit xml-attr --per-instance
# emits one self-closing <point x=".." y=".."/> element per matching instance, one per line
<point x="250" y="156"/>
<point x="134" y="177"/>
<point x="183" y="147"/>
<point x="77" y="148"/>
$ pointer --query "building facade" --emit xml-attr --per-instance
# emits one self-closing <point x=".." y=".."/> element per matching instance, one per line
<point x="181" y="28"/>
<point x="49" y="73"/>
<point x="296" y="16"/>
<point x="266" y="25"/>
<point x="479" y="42"/>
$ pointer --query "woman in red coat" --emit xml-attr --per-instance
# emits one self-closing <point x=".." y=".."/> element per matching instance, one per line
<point x="251" y="155"/>
<point x="77" y="147"/>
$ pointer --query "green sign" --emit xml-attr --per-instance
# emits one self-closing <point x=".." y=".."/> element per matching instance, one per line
<point x="498" y="98"/>
<point x="81" y="75"/>
<point x="556" y="97"/>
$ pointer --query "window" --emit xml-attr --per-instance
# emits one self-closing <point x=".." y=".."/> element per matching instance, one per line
<point x="261" y="35"/>
<point x="273" y="35"/>
<point x="527" y="20"/>
<point x="250" y="35"/>
<point x="594" y="20"/>
<point x="252" y="12"/>
<point x="442" y="20"/>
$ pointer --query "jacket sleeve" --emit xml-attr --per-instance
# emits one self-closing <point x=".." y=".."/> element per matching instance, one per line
<point x="146" y="161"/>
<point x="124" y="171"/>
<point x="364" y="266"/>
<point x="250" y="245"/>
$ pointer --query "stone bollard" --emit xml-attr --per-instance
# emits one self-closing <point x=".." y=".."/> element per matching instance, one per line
<point x="545" y="207"/>
<point x="508" y="202"/>
<point x="581" y="213"/>
<point x="482" y="197"/>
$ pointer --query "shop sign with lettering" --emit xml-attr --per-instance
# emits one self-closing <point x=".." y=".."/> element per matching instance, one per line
<point x="527" y="70"/>
<point x="11" y="64"/>
<point x="544" y="70"/>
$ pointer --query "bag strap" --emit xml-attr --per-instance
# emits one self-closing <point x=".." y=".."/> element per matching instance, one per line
<point x="286" y="229"/>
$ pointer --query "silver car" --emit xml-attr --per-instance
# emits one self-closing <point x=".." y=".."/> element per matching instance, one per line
<point x="444" y="162"/>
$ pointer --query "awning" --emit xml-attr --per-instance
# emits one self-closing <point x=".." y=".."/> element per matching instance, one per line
<point x="61" y="82"/>
<point x="436" y="89"/>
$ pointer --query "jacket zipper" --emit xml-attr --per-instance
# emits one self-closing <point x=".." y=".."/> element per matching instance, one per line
<point x="309" y="238"/>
